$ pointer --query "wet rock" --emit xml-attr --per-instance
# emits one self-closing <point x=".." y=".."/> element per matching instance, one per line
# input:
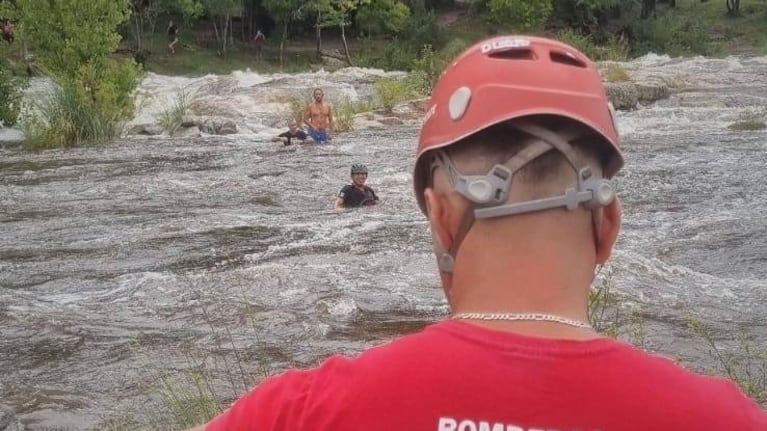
<point x="217" y="126"/>
<point x="227" y="128"/>
<point x="390" y="121"/>
<point x="365" y="121"/>
<point x="212" y="125"/>
<point x="146" y="129"/>
<point x="411" y="107"/>
<point x="649" y="93"/>
<point x="188" y="132"/>
<point x="333" y="63"/>
<point x="629" y="95"/>
<point x="8" y="420"/>
<point x="623" y="95"/>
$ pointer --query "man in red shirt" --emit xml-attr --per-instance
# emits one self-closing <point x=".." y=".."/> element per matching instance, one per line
<point x="513" y="172"/>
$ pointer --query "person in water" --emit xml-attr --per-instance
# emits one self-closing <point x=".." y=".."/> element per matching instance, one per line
<point x="318" y="116"/>
<point x="513" y="172"/>
<point x="172" y="36"/>
<point x="356" y="194"/>
<point x="293" y="133"/>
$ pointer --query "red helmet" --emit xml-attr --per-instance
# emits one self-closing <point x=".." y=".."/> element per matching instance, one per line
<point x="509" y="77"/>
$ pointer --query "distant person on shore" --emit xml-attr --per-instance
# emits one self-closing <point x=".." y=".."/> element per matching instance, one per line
<point x="258" y="44"/>
<point x="172" y="36"/>
<point x="293" y="133"/>
<point x="8" y="31"/>
<point x="318" y="115"/>
<point x="356" y="194"/>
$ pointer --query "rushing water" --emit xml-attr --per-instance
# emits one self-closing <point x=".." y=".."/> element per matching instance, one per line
<point x="118" y="263"/>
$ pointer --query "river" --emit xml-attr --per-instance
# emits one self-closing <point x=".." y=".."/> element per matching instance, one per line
<point x="125" y="263"/>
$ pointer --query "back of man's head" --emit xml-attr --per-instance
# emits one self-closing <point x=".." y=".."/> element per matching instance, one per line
<point x="514" y="155"/>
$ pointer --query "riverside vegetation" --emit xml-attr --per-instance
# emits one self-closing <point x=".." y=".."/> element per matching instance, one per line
<point x="96" y="57"/>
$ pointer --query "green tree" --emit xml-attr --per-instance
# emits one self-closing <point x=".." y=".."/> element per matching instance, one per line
<point x="383" y="17"/>
<point x="526" y="14"/>
<point x="11" y="87"/>
<point x="283" y="12"/>
<point x="221" y="13"/>
<point x="11" y="91"/>
<point x="145" y="12"/>
<point x="333" y="13"/>
<point x="73" y="42"/>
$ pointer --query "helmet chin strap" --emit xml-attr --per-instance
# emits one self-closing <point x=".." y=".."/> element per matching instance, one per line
<point x="488" y="193"/>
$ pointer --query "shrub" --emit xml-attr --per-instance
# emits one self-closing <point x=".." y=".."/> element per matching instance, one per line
<point x="392" y="91"/>
<point x="672" y="34"/>
<point x="527" y="14"/>
<point x="296" y="109"/>
<point x="426" y="69"/>
<point x="614" y="48"/>
<point x="616" y="74"/>
<point x="10" y="97"/>
<point x="745" y="363"/>
<point x="345" y="112"/>
<point x="66" y="118"/>
<point x="171" y="118"/>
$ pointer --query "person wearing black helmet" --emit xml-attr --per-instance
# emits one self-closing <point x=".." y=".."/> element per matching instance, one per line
<point x="356" y="194"/>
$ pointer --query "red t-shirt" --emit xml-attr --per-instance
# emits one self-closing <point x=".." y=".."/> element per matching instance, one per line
<point x="454" y="376"/>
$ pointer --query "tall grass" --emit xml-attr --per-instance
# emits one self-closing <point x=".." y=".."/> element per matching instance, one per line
<point x="391" y="91"/>
<point x="741" y="361"/>
<point x="346" y="110"/>
<point x="66" y="119"/>
<point x="744" y="363"/>
<point x="171" y="118"/>
<point x="616" y="73"/>
<point x="613" y="48"/>
<point x="296" y="109"/>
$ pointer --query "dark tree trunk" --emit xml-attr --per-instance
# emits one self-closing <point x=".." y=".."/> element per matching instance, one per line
<point x="346" y="47"/>
<point x="648" y="9"/>
<point x="733" y="7"/>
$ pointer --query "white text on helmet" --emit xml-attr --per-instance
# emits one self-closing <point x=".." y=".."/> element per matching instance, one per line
<point x="430" y="113"/>
<point x="509" y="42"/>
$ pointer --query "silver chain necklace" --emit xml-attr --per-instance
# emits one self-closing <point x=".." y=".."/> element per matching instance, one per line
<point x="538" y="317"/>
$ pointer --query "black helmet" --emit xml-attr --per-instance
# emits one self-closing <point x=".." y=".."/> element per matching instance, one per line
<point x="359" y="169"/>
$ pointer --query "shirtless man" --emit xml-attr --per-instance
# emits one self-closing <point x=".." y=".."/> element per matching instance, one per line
<point x="318" y="115"/>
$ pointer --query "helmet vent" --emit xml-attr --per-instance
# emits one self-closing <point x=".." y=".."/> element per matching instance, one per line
<point x="513" y="54"/>
<point x="566" y="58"/>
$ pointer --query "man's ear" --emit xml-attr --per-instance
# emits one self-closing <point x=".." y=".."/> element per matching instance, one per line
<point x="607" y="230"/>
<point x="438" y="211"/>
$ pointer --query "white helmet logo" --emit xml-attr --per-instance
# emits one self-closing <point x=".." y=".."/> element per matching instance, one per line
<point x="505" y="43"/>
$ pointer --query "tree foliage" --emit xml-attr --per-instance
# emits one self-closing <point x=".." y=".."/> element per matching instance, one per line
<point x="383" y="17"/>
<point x="145" y="13"/>
<point x="10" y="92"/>
<point x="10" y="86"/>
<point x="524" y="14"/>
<point x="74" y="42"/>
<point x="283" y="12"/>
<point x="221" y="13"/>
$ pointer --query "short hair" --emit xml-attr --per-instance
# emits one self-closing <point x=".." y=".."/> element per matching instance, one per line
<point x="478" y="153"/>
